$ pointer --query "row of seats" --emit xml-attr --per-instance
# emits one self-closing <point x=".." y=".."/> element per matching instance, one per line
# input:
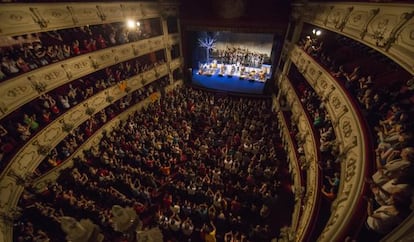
<point x="80" y="134"/>
<point x="325" y="140"/>
<point x="384" y="94"/>
<point x="47" y="212"/>
<point x="24" y="123"/>
<point x="32" y="51"/>
<point x="194" y="164"/>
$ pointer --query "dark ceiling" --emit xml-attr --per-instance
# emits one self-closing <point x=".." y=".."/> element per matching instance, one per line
<point x="244" y="15"/>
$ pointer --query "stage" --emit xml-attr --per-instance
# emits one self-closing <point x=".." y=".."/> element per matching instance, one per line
<point x="232" y="78"/>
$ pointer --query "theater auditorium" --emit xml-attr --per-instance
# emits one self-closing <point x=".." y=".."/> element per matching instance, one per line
<point x="215" y="120"/>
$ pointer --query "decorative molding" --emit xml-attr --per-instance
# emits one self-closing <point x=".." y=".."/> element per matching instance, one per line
<point x="309" y="165"/>
<point x="26" y="87"/>
<point x="347" y="129"/>
<point x="37" y="17"/>
<point x="386" y="28"/>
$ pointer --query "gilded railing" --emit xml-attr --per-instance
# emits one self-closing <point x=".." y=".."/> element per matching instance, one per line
<point x="26" y="87"/>
<point x="310" y="147"/>
<point x="16" y="19"/>
<point x="349" y="130"/>
<point x="34" y="151"/>
<point x="385" y="27"/>
<point x="294" y="167"/>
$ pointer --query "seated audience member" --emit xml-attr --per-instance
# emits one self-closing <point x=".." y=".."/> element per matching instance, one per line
<point x="64" y="101"/>
<point x="397" y="115"/>
<point x="9" y="66"/>
<point x="209" y="231"/>
<point x="187" y="228"/>
<point x="386" y="217"/>
<point x="395" y="167"/>
<point x="31" y="122"/>
<point x="24" y="131"/>
<point x="401" y="185"/>
<point x="329" y="194"/>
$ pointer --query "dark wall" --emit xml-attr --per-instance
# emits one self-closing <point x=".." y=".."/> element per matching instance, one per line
<point x="253" y="15"/>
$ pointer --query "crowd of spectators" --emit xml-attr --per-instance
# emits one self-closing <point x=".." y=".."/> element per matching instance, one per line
<point x="328" y="152"/>
<point x="18" y="127"/>
<point x="384" y="94"/>
<point x="391" y="198"/>
<point x="32" y="51"/>
<point x="199" y="165"/>
<point x="80" y="134"/>
<point x="36" y="205"/>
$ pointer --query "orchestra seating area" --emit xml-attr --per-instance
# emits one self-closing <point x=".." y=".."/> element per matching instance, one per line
<point x="192" y="158"/>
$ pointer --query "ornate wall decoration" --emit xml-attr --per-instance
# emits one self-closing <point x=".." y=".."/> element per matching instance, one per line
<point x="135" y="81"/>
<point x="309" y="144"/>
<point x="347" y="130"/>
<point x="73" y="116"/>
<point x="86" y="13"/>
<point x="357" y="19"/>
<point x="79" y="66"/>
<point x="16" y="19"/>
<point x="380" y="28"/>
<point x="130" y="10"/>
<point x="335" y="17"/>
<point x="56" y="16"/>
<point x="24" y="158"/>
<point x="50" y="134"/>
<point x="66" y="127"/>
<point x="6" y="189"/>
<point x="94" y="63"/>
<point x="385" y="28"/>
<point x="98" y="101"/>
<point x="17" y="91"/>
<point x="406" y="36"/>
<point x="148" y="75"/>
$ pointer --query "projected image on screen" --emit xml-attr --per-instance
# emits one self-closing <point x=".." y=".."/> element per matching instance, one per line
<point x="235" y="62"/>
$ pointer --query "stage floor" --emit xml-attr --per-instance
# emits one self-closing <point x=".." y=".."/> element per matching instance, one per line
<point x="227" y="83"/>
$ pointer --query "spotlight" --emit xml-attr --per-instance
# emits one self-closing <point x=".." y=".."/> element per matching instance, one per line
<point x="314" y="31"/>
<point x="131" y="24"/>
<point x="138" y="23"/>
<point x="318" y="32"/>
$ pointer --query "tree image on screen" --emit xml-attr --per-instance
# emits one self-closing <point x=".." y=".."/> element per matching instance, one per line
<point x="208" y="42"/>
<point x="231" y="61"/>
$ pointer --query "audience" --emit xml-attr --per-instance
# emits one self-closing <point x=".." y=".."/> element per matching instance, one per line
<point x="196" y="164"/>
<point x="35" y="115"/>
<point x="384" y="96"/>
<point x="172" y="169"/>
<point x="33" y="51"/>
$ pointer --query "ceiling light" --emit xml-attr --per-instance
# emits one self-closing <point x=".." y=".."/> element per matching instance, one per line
<point x="131" y="24"/>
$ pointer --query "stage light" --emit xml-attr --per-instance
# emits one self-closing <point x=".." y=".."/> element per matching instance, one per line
<point x="138" y="23"/>
<point x="318" y="32"/>
<point x="131" y="24"/>
<point x="314" y="31"/>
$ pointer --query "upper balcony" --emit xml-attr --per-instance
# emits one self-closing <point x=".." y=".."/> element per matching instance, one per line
<point x="385" y="27"/>
<point x="16" y="19"/>
<point x="349" y="129"/>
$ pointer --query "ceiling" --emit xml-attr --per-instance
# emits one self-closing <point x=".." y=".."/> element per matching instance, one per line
<point x="245" y="15"/>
